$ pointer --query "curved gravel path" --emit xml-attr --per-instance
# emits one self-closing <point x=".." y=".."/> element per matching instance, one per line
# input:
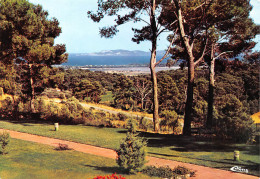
<point x="202" y="172"/>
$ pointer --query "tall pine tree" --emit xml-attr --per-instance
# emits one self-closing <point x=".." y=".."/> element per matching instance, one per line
<point x="207" y="28"/>
<point x="27" y="35"/>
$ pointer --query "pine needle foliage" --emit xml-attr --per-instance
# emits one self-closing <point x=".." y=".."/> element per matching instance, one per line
<point x="4" y="141"/>
<point x="131" y="154"/>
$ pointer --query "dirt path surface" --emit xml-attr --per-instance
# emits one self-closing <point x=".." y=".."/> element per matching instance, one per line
<point x="202" y="172"/>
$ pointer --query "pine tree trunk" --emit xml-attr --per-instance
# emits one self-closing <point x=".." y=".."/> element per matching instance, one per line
<point x="189" y="99"/>
<point x="142" y="103"/>
<point x="152" y="68"/>
<point x="211" y="94"/>
<point x="32" y="89"/>
<point x="155" y="101"/>
<point x="191" y="68"/>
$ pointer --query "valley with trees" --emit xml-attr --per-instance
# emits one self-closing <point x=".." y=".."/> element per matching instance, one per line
<point x="199" y="113"/>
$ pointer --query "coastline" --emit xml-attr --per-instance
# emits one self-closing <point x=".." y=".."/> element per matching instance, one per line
<point x="129" y="70"/>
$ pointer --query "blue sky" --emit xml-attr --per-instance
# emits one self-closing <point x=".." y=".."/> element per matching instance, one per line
<point x="81" y="35"/>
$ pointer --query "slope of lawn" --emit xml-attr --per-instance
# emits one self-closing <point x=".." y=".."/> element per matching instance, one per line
<point x="31" y="160"/>
<point x="217" y="154"/>
<point x="256" y="117"/>
<point x="107" y="98"/>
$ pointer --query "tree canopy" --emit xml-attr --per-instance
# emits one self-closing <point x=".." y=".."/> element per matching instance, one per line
<point x="27" y="35"/>
<point x="207" y="30"/>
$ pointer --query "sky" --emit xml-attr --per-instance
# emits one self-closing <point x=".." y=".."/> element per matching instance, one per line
<point x="81" y="34"/>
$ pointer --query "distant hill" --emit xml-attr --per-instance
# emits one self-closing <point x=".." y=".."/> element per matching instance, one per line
<point x="119" y="53"/>
<point x="111" y="57"/>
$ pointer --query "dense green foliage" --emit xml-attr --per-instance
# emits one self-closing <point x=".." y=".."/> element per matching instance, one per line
<point x="27" y="42"/>
<point x="169" y="121"/>
<point x="233" y="80"/>
<point x="206" y="31"/>
<point x="8" y="80"/>
<point x="232" y="120"/>
<point x="167" y="172"/>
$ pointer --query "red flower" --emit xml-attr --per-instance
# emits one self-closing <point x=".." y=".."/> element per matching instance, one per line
<point x="113" y="176"/>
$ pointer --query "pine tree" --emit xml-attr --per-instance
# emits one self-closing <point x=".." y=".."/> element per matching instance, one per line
<point x="27" y="38"/>
<point x="131" y="154"/>
<point x="4" y="141"/>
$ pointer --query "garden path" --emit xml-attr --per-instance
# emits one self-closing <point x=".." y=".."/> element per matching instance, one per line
<point x="202" y="172"/>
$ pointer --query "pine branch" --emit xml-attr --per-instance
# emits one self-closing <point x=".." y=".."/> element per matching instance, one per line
<point x="223" y="53"/>
<point x="203" y="53"/>
<point x="168" y="50"/>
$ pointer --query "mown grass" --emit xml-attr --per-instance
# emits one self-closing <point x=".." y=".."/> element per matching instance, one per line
<point x="31" y="160"/>
<point x="217" y="154"/>
<point x="107" y="98"/>
<point x="256" y="117"/>
<point x="105" y="137"/>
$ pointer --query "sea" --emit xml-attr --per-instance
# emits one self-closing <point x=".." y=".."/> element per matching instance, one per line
<point x="77" y="60"/>
<point x="130" y="65"/>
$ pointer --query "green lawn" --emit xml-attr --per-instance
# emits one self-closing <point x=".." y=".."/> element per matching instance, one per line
<point x="186" y="149"/>
<point x="31" y="160"/>
<point x="107" y="98"/>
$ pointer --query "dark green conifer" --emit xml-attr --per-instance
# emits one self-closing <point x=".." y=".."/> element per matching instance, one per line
<point x="131" y="154"/>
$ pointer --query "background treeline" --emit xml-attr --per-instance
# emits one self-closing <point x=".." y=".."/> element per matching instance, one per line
<point x="236" y="95"/>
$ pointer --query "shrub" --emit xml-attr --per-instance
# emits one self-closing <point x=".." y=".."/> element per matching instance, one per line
<point x="100" y="114"/>
<point x="68" y="94"/>
<point x="91" y="108"/>
<point x="72" y="106"/>
<point x="112" y="117"/>
<point x="41" y="105"/>
<point x="181" y="170"/>
<point x="170" y="119"/>
<point x="65" y="114"/>
<point x="52" y="109"/>
<point x="163" y="172"/>
<point x="167" y="172"/>
<point x="62" y="147"/>
<point x="121" y="117"/>
<point x="21" y="107"/>
<point x="51" y="93"/>
<point x="132" y="126"/>
<point x="117" y="124"/>
<point x="96" y="119"/>
<point x="131" y="154"/>
<point x="7" y="104"/>
<point x="145" y="124"/>
<point x="199" y="109"/>
<point x="62" y="96"/>
<point x="231" y="120"/>
<point x="1" y="91"/>
<point x="4" y="141"/>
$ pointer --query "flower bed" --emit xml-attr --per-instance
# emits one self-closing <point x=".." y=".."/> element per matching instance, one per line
<point x="113" y="176"/>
